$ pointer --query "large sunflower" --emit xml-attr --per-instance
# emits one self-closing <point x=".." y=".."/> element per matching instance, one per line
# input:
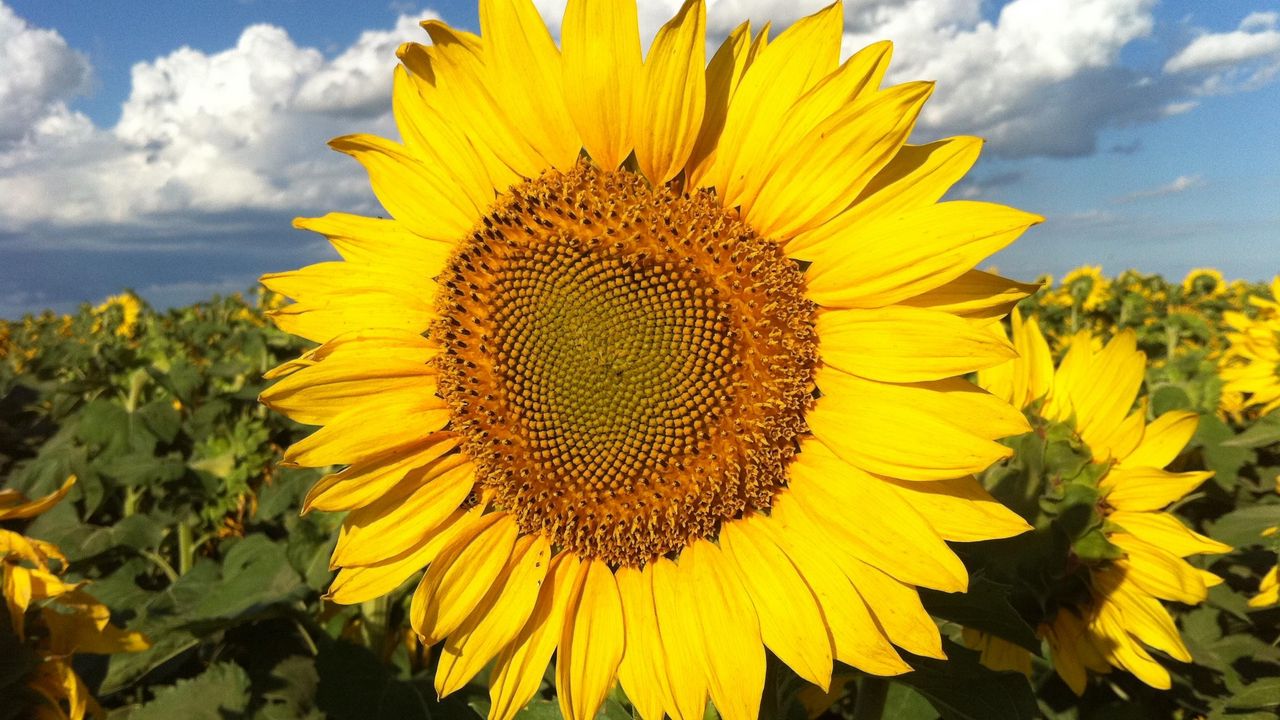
<point x="655" y="364"/>
<point x="1250" y="367"/>
<point x="1108" y="611"/>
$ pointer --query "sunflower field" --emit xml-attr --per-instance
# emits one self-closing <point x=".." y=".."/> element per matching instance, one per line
<point x="157" y="565"/>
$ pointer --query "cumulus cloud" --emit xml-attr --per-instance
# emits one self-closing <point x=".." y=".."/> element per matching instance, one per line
<point x="209" y="133"/>
<point x="40" y="74"/>
<point x="1243" y="59"/>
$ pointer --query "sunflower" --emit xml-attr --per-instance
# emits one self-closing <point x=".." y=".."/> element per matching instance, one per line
<point x="1250" y="367"/>
<point x="642" y="331"/>
<point x="1133" y="553"/>
<point x="1204" y="283"/>
<point x="69" y="620"/>
<point x="1085" y="287"/>
<point x="128" y="305"/>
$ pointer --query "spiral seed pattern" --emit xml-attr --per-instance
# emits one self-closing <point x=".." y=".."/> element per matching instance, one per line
<point x="629" y="366"/>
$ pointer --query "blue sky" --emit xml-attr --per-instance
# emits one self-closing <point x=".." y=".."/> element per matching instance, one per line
<point x="166" y="146"/>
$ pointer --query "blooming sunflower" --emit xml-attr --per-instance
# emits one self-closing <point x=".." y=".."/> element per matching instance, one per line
<point x="1086" y="287"/>
<point x="1250" y="367"/>
<point x="126" y="323"/>
<point x="69" y="620"/>
<point x="1204" y="283"/>
<point x="641" y="330"/>
<point x="1134" y="556"/>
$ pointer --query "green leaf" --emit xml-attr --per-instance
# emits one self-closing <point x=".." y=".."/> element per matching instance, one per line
<point x="1220" y="455"/>
<point x="903" y="703"/>
<point x="255" y="572"/>
<point x="355" y="685"/>
<point x="1243" y="527"/>
<point x="960" y="688"/>
<point x="1257" y="695"/>
<point x="291" y="695"/>
<point x="1266" y="431"/>
<point x="219" y="692"/>
<point x="985" y="606"/>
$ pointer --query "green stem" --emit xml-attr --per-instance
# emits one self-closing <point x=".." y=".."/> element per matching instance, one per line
<point x="161" y="563"/>
<point x="377" y="613"/>
<point x="132" y="494"/>
<point x="186" y="548"/>
<point x="872" y="693"/>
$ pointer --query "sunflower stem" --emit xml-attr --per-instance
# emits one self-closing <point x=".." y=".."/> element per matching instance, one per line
<point x="872" y="693"/>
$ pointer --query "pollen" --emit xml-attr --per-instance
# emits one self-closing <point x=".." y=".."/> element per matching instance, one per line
<point x="629" y="366"/>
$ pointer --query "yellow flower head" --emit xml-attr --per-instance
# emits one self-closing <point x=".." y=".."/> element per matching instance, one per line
<point x="1250" y="366"/>
<point x="643" y="328"/>
<point x="130" y="307"/>
<point x="1093" y="391"/>
<point x="70" y="620"/>
<point x="1086" y="286"/>
<point x="1205" y="283"/>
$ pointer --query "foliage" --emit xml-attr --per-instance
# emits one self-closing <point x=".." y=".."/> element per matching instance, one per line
<point x="190" y="532"/>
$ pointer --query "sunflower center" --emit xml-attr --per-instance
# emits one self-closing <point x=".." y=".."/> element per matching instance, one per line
<point x="629" y="367"/>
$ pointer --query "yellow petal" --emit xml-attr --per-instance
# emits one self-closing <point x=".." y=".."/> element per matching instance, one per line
<point x="681" y="641"/>
<point x="455" y="583"/>
<point x="641" y="672"/>
<point x="454" y="67"/>
<point x="667" y="119"/>
<point x="429" y="136"/>
<point x="423" y="500"/>
<point x="823" y="172"/>
<point x="921" y="431"/>
<point x="905" y="344"/>
<point x="1102" y="395"/>
<point x="525" y="75"/>
<point x="791" y="623"/>
<point x="591" y="643"/>
<point x="318" y="394"/>
<point x="355" y="585"/>
<point x="601" y="42"/>
<point x="784" y="71"/>
<point x="1068" y="645"/>
<point x="1145" y="489"/>
<point x="959" y="509"/>
<point x="484" y="634"/>
<point x="894" y="538"/>
<point x="367" y="480"/>
<point x="724" y="72"/>
<point x="917" y="176"/>
<point x="898" y="609"/>
<point x="1166" y="531"/>
<point x="734" y="656"/>
<point x="519" y="669"/>
<point x="904" y="255"/>
<point x="17" y="595"/>
<point x="1142" y="615"/>
<point x="14" y="506"/>
<point x="975" y="294"/>
<point x="359" y="308"/>
<point x="368" y="431"/>
<point x="855" y="636"/>
<point x="380" y="242"/>
<point x="419" y="196"/>
<point x="1163" y="440"/>
<point x="1159" y="572"/>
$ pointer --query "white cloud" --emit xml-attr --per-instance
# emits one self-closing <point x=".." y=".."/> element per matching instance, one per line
<point x="1243" y="59"/>
<point x="1180" y="184"/>
<point x="40" y="73"/>
<point x="208" y="133"/>
<point x="1041" y="78"/>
